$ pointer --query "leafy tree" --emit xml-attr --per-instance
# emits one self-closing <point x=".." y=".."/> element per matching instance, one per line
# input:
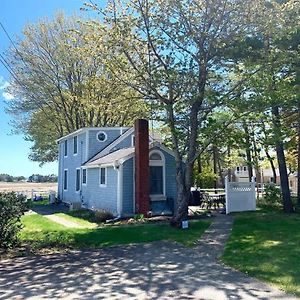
<point x="61" y="84"/>
<point x="181" y="61"/>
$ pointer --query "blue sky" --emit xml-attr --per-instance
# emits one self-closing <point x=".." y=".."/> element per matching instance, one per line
<point x="14" y="14"/>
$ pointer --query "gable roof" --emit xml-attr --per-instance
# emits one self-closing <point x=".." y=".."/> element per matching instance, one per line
<point x="84" y="129"/>
<point x="109" y="147"/>
<point x="152" y="137"/>
<point x="113" y="158"/>
<point x="119" y="156"/>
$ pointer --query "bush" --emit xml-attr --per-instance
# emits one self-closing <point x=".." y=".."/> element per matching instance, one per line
<point x="272" y="194"/>
<point x="12" y="207"/>
<point x="206" y="179"/>
<point x="102" y="216"/>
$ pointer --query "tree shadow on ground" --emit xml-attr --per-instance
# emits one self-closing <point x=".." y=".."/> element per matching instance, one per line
<point x="159" y="270"/>
<point x="50" y="209"/>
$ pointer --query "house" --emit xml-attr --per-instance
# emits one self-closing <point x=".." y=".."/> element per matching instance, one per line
<point x="293" y="183"/>
<point x="119" y="169"/>
<point x="241" y="174"/>
<point x="267" y="176"/>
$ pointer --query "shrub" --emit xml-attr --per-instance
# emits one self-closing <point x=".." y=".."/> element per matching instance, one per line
<point x="12" y="207"/>
<point x="272" y="194"/>
<point x="206" y="179"/>
<point x="138" y="217"/>
<point x="102" y="216"/>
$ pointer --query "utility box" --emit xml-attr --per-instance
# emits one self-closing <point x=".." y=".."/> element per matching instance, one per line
<point x="52" y="197"/>
<point x="75" y="206"/>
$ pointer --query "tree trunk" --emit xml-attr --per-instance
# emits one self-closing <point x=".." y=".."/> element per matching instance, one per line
<point x="215" y="157"/>
<point x="248" y="150"/>
<point x="272" y="165"/>
<point x="284" y="181"/>
<point x="229" y="173"/>
<point x="199" y="167"/>
<point x="257" y="167"/>
<point x="183" y="194"/>
<point x="298" y="156"/>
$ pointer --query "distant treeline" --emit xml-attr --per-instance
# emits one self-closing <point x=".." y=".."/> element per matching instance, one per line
<point x="32" y="178"/>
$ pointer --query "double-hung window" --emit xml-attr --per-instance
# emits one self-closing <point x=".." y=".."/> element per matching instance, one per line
<point x="75" y="145"/>
<point x="83" y="176"/>
<point x="102" y="177"/>
<point x="65" y="180"/>
<point x="66" y="147"/>
<point x="77" y="180"/>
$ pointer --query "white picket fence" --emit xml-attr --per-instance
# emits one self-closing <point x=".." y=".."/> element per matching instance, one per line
<point x="240" y="196"/>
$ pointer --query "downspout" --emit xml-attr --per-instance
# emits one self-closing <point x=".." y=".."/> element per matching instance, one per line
<point x="119" y="168"/>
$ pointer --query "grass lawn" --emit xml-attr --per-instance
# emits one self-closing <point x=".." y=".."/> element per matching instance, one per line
<point x="266" y="245"/>
<point x="76" y="220"/>
<point x="39" y="232"/>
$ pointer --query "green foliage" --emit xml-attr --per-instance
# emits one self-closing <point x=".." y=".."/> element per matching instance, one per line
<point x="9" y="178"/>
<point x="206" y="179"/>
<point x="138" y="217"/>
<point x="12" y="207"/>
<point x="272" y="194"/>
<point x="62" y="83"/>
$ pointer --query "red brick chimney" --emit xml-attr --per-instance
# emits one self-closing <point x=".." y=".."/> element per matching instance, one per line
<point x="142" y="199"/>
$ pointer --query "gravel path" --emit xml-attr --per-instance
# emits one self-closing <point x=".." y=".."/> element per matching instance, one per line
<point x="159" y="270"/>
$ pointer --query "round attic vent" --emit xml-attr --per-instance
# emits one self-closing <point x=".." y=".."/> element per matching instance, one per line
<point x="101" y="136"/>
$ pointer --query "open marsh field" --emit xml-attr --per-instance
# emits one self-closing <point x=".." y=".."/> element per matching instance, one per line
<point x="27" y="186"/>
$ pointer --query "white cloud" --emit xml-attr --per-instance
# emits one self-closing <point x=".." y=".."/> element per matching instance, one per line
<point x="7" y="96"/>
<point x="3" y="83"/>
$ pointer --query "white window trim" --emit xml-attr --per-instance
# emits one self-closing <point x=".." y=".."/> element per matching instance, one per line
<point x="160" y="163"/>
<point x="132" y="140"/>
<point x="103" y="185"/>
<point x="79" y="180"/>
<point x="74" y="154"/>
<point x="64" y="148"/>
<point x="64" y="180"/>
<point x="101" y="131"/>
<point x="85" y="176"/>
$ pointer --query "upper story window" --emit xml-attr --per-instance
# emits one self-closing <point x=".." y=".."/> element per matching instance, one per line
<point x="101" y="136"/>
<point x="75" y="144"/>
<point x="66" y="147"/>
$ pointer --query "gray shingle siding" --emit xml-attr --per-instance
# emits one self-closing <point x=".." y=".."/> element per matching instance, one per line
<point x="96" y="146"/>
<point x="171" y="190"/>
<point x="60" y="170"/>
<point x="128" y="184"/>
<point x="70" y="163"/>
<point x="126" y="143"/>
<point x="98" y="197"/>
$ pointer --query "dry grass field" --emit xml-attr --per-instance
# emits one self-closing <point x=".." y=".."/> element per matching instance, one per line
<point x="27" y="186"/>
